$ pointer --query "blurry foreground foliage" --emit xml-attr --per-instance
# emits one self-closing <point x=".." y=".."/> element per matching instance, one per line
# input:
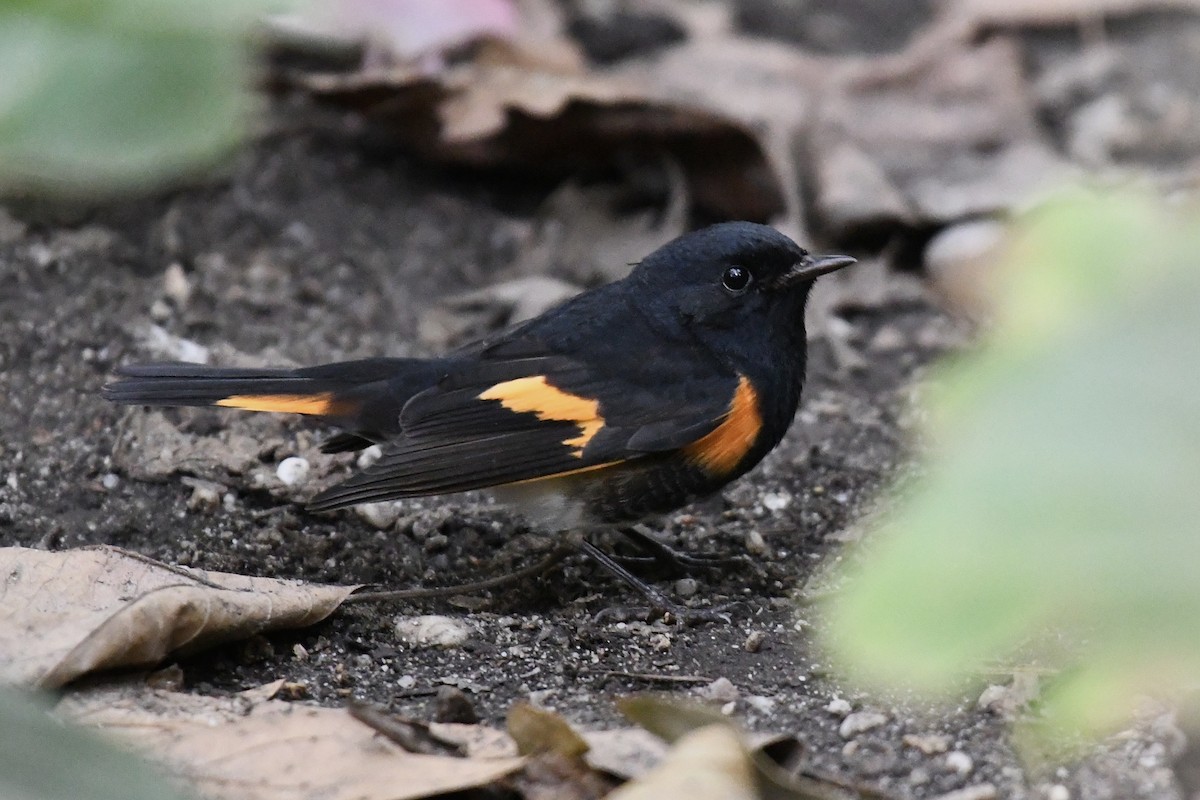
<point x="105" y="95"/>
<point x="44" y="759"/>
<point x="100" y="96"/>
<point x="1059" y="519"/>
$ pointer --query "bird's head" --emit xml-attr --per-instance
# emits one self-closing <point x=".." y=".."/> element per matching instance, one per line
<point x="734" y="276"/>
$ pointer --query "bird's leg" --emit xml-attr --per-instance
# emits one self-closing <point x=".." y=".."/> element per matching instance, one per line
<point x="662" y="553"/>
<point x="659" y="601"/>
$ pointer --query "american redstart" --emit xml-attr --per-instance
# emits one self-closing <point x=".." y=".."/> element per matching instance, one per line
<point x="626" y="401"/>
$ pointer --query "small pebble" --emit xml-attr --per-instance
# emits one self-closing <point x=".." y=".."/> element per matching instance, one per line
<point x="686" y="587"/>
<point x="205" y="497"/>
<point x="292" y="470"/>
<point x="721" y="690"/>
<point x="299" y="652"/>
<point x="860" y="722"/>
<point x="888" y="339"/>
<point x="928" y="743"/>
<point x="380" y="516"/>
<point x="839" y="706"/>
<point x="406" y="681"/>
<point x="432" y="630"/>
<point x="919" y="777"/>
<point x="961" y="264"/>
<point x="755" y="543"/>
<point x="176" y="286"/>
<point x="160" y="311"/>
<point x="960" y="762"/>
<point x="110" y="481"/>
<point x="980" y="791"/>
<point x="368" y="456"/>
<point x="729" y="708"/>
<point x="1058" y="792"/>
<point x="776" y="501"/>
<point x="754" y="641"/>
<point x="761" y="704"/>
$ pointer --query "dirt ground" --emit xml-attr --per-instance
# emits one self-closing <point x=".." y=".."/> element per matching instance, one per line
<point x="314" y="248"/>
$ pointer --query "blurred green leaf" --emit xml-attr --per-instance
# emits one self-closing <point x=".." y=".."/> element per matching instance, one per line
<point x="44" y="759"/>
<point x="115" y="94"/>
<point x="1060" y="513"/>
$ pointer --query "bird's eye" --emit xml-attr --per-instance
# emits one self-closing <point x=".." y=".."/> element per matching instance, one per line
<point x="736" y="279"/>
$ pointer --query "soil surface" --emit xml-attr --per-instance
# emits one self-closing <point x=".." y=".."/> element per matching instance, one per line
<point x="313" y="248"/>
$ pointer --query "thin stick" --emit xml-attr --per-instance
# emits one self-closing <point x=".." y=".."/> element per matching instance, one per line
<point x="426" y="592"/>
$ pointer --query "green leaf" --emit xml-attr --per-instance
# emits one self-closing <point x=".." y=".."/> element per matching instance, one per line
<point x="44" y="759"/>
<point x="119" y="94"/>
<point x="1059" y="515"/>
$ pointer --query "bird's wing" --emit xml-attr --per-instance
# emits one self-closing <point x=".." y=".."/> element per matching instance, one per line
<point x="500" y="422"/>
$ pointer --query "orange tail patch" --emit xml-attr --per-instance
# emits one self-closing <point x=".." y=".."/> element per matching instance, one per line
<point x="321" y="405"/>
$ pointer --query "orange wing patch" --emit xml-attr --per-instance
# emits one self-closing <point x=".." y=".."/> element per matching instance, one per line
<point x="322" y="404"/>
<point x="720" y="451"/>
<point x="535" y="395"/>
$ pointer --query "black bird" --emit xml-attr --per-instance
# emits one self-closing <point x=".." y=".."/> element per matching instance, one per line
<point x="626" y="401"/>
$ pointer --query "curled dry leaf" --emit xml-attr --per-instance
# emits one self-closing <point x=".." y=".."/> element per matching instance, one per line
<point x="63" y="615"/>
<point x="769" y="87"/>
<point x="773" y="779"/>
<point x="557" y="123"/>
<point x="536" y="730"/>
<point x="707" y="764"/>
<point x="946" y="134"/>
<point x="588" y="233"/>
<point x="254" y="749"/>
<point x="622" y="752"/>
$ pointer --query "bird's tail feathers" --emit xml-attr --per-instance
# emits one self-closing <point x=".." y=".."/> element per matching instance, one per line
<point x="327" y="391"/>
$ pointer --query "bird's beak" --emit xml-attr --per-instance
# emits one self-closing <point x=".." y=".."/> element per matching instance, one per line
<point x="811" y="267"/>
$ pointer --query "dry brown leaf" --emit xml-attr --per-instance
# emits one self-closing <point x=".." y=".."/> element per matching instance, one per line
<point x="585" y="234"/>
<point x="624" y="752"/>
<point x="63" y="615"/>
<point x="769" y="87"/>
<point x="475" y="740"/>
<point x="251" y="749"/>
<point x="557" y="123"/>
<point x="536" y="730"/>
<point x="706" y="764"/>
<point x="951" y="132"/>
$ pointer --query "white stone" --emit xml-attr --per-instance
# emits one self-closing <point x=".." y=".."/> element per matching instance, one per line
<point x="860" y="722"/>
<point x="777" y="501"/>
<point x="176" y="285"/>
<point x="378" y="515"/>
<point x="292" y="470"/>
<point x="960" y="762"/>
<point x="721" y="690"/>
<point x="928" y="743"/>
<point x="839" y="706"/>
<point x="1058" y="792"/>
<point x="369" y="456"/>
<point x="432" y="630"/>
